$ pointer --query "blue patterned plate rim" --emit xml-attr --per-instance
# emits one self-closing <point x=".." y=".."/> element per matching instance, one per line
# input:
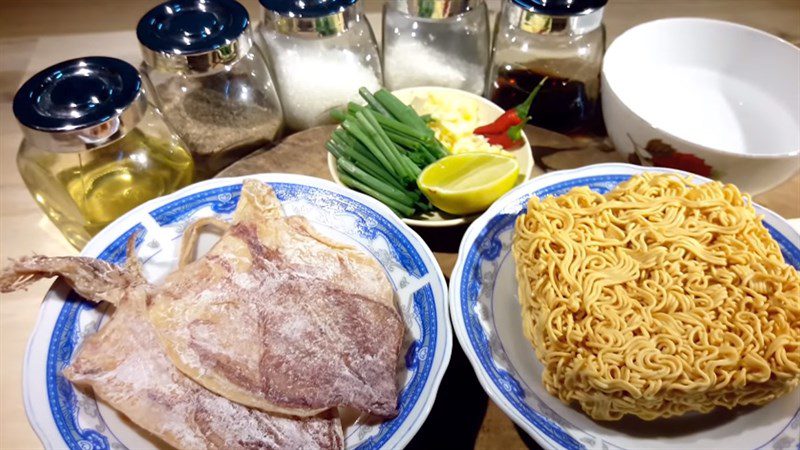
<point x="501" y="385"/>
<point x="417" y="402"/>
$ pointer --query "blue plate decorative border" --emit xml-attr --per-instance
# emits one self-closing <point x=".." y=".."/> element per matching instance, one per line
<point x="487" y="247"/>
<point x="223" y="200"/>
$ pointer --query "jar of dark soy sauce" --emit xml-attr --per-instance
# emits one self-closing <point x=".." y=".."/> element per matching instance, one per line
<point x="563" y="40"/>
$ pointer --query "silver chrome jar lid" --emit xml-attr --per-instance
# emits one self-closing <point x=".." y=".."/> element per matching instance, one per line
<point x="80" y="104"/>
<point x="311" y="18"/>
<point x="194" y="36"/>
<point x="556" y="16"/>
<point x="436" y="9"/>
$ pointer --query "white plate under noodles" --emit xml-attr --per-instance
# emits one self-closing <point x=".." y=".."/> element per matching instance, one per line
<point x="487" y="321"/>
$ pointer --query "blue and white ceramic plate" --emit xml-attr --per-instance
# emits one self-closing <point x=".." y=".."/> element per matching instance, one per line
<point x="486" y="318"/>
<point x="63" y="416"/>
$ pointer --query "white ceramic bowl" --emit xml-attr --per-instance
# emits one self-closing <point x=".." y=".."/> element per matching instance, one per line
<point x="710" y="97"/>
<point x="488" y="112"/>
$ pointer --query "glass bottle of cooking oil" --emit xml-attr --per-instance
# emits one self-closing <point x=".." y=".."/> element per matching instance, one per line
<point x="94" y="147"/>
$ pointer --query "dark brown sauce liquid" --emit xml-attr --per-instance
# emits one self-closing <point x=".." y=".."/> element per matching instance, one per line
<point x="562" y="105"/>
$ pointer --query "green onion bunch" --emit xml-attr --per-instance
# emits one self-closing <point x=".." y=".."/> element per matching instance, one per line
<point x="381" y="148"/>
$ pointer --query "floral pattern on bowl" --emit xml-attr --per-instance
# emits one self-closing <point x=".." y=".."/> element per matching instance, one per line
<point x="657" y="153"/>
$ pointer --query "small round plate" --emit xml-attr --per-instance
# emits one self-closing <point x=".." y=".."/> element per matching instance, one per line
<point x="487" y="321"/>
<point x="488" y="112"/>
<point x="65" y="417"/>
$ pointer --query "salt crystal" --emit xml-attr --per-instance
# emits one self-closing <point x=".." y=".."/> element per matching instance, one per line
<point x="430" y="67"/>
<point x="312" y="82"/>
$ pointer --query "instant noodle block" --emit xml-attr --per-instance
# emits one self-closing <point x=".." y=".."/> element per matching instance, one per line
<point x="656" y="299"/>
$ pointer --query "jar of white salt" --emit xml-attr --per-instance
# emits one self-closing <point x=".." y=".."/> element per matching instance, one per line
<point x="322" y="52"/>
<point x="436" y="43"/>
<point x="209" y="80"/>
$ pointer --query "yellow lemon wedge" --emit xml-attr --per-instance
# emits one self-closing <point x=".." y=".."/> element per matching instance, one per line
<point x="468" y="183"/>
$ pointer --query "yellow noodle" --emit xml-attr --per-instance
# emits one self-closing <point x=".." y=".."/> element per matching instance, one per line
<point x="658" y="298"/>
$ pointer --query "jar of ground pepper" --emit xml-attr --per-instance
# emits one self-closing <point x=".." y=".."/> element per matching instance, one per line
<point x="94" y="147"/>
<point x="563" y="40"/>
<point x="211" y="83"/>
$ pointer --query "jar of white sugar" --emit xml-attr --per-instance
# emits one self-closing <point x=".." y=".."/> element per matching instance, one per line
<point x="322" y="52"/>
<point x="436" y="43"/>
<point x="210" y="81"/>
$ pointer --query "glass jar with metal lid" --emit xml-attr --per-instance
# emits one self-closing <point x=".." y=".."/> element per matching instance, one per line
<point x="561" y="39"/>
<point x="210" y="80"/>
<point x="322" y="52"/>
<point x="436" y="43"/>
<point x="93" y="146"/>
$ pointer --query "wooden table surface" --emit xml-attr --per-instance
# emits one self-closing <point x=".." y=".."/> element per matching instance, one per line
<point x="37" y="33"/>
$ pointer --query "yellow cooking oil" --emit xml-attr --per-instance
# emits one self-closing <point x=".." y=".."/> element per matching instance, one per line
<point x="82" y="192"/>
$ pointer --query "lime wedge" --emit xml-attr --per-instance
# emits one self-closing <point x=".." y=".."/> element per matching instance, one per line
<point x="468" y="183"/>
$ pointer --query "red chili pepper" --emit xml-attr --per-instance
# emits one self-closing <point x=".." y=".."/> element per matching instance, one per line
<point x="523" y="109"/>
<point x="503" y="123"/>
<point x="509" y="139"/>
<point x="512" y="118"/>
<point x="502" y="139"/>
